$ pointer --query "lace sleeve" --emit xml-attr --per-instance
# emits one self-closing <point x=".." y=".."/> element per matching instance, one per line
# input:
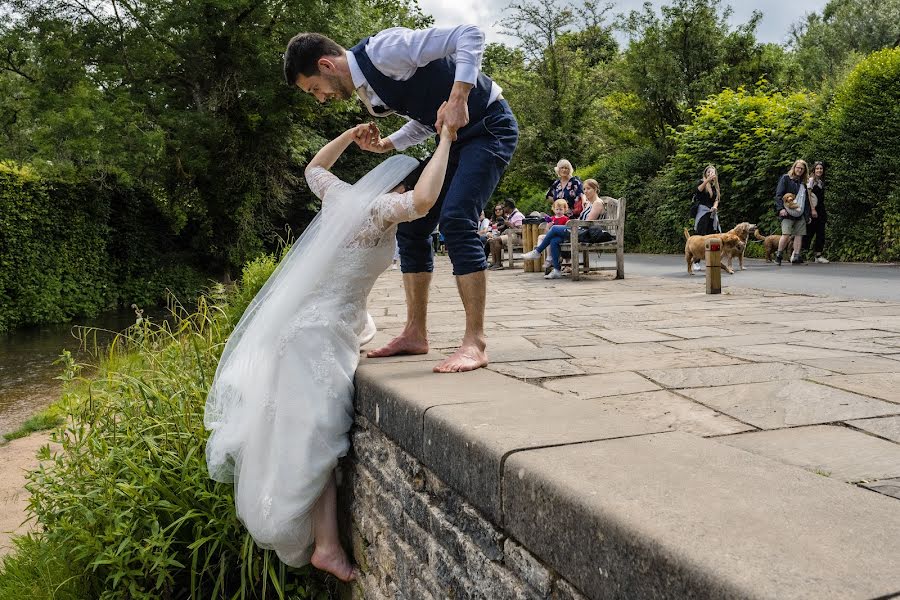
<point x="390" y="209"/>
<point x="321" y="181"/>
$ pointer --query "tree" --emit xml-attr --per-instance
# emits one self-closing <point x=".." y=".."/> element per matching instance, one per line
<point x="676" y="59"/>
<point x="829" y="43"/>
<point x="187" y="98"/>
<point x="554" y="85"/>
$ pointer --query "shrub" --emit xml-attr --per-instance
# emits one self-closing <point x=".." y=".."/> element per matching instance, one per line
<point x="859" y="142"/>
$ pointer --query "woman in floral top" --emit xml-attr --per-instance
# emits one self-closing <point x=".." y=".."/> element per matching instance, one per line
<point x="567" y="187"/>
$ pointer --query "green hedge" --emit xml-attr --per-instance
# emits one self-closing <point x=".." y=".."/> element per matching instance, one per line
<point x="69" y="250"/>
<point x="860" y="143"/>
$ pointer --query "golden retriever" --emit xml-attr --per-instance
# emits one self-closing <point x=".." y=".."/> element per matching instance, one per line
<point x="695" y="249"/>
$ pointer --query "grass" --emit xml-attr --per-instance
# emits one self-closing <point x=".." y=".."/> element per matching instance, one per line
<point x="44" y="420"/>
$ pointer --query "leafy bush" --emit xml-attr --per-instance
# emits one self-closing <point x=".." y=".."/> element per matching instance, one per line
<point x="752" y="138"/>
<point x="127" y="501"/>
<point x="859" y="142"/>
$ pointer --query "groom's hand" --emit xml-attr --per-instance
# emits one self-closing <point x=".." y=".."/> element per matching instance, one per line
<point x="368" y="137"/>
<point x="454" y="113"/>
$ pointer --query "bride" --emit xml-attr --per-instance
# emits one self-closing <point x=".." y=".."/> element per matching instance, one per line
<point x="281" y="404"/>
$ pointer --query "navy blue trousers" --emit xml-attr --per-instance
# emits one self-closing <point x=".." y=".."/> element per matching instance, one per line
<point x="477" y="161"/>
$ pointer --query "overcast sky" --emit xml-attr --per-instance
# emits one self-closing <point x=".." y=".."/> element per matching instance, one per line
<point x="778" y="15"/>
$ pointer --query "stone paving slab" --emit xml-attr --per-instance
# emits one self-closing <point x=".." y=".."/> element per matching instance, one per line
<point x="628" y="360"/>
<point x="888" y="487"/>
<point x="779" y="404"/>
<point x="483" y="435"/>
<point x="885" y="386"/>
<point x="886" y="427"/>
<point x="828" y="450"/>
<point x="714" y="376"/>
<point x="690" y="333"/>
<point x="519" y="348"/>
<point x="605" y="349"/>
<point x="598" y="386"/>
<point x="537" y="369"/>
<point x="786" y="352"/>
<point x="667" y="409"/>
<point x="853" y="364"/>
<point x="626" y="336"/>
<point x="676" y="516"/>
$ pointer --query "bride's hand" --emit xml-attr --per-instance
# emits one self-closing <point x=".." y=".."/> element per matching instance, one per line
<point x="368" y="137"/>
<point x="446" y="134"/>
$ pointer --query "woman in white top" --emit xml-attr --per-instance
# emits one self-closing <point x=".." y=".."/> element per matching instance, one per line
<point x="281" y="404"/>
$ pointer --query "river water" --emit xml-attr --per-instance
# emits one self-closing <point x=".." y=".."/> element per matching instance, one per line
<point x="27" y="372"/>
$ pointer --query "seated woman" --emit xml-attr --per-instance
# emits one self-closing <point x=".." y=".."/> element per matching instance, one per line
<point x="559" y="234"/>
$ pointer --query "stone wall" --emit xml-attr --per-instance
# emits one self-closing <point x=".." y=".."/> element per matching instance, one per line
<point x="416" y="538"/>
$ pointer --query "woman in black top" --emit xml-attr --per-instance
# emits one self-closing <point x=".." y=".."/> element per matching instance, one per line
<point x="816" y="228"/>
<point x="706" y="202"/>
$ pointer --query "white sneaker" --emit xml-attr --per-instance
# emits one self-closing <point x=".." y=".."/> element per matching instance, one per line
<point x="394" y="267"/>
<point x="698" y="266"/>
<point x="822" y="260"/>
<point x="533" y="255"/>
<point x="554" y="274"/>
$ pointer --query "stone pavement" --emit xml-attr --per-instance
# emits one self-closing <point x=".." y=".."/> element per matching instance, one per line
<point x="750" y="441"/>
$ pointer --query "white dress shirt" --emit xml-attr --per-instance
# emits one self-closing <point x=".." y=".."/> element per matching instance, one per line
<point x="398" y="52"/>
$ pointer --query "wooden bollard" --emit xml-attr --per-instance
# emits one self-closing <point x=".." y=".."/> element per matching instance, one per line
<point x="714" y="266"/>
<point x="529" y="241"/>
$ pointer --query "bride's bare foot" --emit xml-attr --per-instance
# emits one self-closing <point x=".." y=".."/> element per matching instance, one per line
<point x="334" y="561"/>
<point x="469" y="357"/>
<point x="401" y="345"/>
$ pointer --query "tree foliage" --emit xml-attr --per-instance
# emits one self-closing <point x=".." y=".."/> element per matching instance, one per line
<point x="185" y="97"/>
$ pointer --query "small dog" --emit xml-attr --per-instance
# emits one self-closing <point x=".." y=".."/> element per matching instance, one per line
<point x="770" y="243"/>
<point x="695" y="248"/>
<point x="790" y="201"/>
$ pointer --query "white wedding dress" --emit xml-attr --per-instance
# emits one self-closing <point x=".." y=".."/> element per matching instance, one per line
<point x="281" y="405"/>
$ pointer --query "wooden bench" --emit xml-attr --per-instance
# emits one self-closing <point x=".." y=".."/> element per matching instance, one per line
<point x="513" y="242"/>
<point x="614" y="223"/>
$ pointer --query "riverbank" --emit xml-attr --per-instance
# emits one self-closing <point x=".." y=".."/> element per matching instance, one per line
<point x="17" y="457"/>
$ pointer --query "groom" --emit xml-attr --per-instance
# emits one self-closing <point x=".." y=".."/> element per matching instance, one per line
<point x="432" y="78"/>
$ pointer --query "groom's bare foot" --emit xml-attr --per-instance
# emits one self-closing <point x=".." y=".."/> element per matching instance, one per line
<point x="403" y="344"/>
<point x="334" y="561"/>
<point x="468" y="358"/>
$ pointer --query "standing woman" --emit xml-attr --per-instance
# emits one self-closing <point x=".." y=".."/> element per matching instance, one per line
<point x="816" y="228"/>
<point x="706" y="200"/>
<point x="566" y="187"/>
<point x="792" y="207"/>
<point x="705" y="207"/>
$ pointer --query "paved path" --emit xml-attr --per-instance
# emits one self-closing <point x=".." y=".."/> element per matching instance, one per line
<point x="773" y="402"/>
<point x="809" y="381"/>
<point x="844" y="280"/>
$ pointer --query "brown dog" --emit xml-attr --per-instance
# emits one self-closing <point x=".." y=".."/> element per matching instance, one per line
<point x="770" y="243"/>
<point x="695" y="248"/>
<point x="743" y="231"/>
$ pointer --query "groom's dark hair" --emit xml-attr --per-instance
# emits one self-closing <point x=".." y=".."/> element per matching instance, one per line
<point x="303" y="53"/>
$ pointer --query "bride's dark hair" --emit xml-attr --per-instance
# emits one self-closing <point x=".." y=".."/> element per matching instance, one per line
<point x="410" y="181"/>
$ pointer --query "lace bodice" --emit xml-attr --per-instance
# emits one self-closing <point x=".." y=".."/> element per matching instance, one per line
<point x="387" y="210"/>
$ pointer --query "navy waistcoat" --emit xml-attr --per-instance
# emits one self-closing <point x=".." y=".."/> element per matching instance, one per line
<point x="420" y="96"/>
